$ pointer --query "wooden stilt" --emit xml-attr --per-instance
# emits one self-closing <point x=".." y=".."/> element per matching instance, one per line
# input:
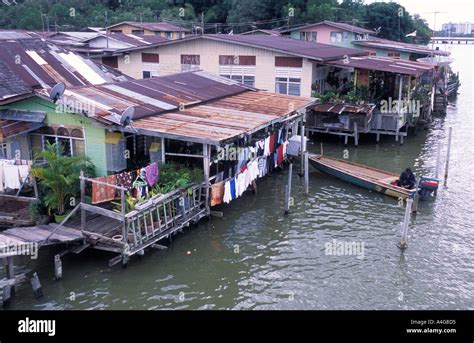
<point x="378" y="138"/>
<point x="6" y="296"/>
<point x="447" y="157"/>
<point x="287" y="200"/>
<point x="36" y="285"/>
<point x="10" y="271"/>
<point x="356" y="135"/>
<point x="206" y="166"/>
<point x="58" y="267"/>
<point x="346" y="140"/>
<point x="406" y="222"/>
<point x="306" y="173"/>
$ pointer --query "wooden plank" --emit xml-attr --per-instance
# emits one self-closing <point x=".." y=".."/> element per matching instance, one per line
<point x="102" y="211"/>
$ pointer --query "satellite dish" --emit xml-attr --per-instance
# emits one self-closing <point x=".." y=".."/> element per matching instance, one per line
<point x="57" y="91"/>
<point x="127" y="115"/>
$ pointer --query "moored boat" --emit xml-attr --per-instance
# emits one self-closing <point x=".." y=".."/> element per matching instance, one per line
<point x="370" y="178"/>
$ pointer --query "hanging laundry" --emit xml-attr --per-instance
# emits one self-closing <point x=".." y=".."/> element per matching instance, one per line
<point x="125" y="180"/>
<point x="227" y="193"/>
<point x="11" y="176"/>
<point x="272" y="143"/>
<point x="102" y="193"/>
<point x="267" y="147"/>
<point x="217" y="193"/>
<point x="140" y="186"/>
<point x="2" y="189"/>
<point x="24" y="171"/>
<point x="262" y="167"/>
<point x="152" y="174"/>
<point x="280" y="155"/>
<point x="232" y="188"/>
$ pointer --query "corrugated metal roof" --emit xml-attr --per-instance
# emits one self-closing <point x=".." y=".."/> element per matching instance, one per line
<point x="23" y="115"/>
<point x="311" y="50"/>
<point x="387" y="64"/>
<point x="193" y="106"/>
<point x="131" y="39"/>
<point x="11" y="128"/>
<point x="339" y="25"/>
<point x="29" y="64"/>
<point x="157" y="26"/>
<point x="374" y="42"/>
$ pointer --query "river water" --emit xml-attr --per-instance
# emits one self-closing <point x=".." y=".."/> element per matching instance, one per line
<point x="256" y="258"/>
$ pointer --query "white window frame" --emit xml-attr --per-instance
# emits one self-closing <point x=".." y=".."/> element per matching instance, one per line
<point x="56" y="140"/>
<point x="233" y="71"/>
<point x="152" y="68"/>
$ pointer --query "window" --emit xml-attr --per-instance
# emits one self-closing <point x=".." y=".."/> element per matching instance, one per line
<point x="150" y="65"/>
<point x="169" y="35"/>
<point x="289" y="86"/>
<point x="3" y="150"/>
<point x="116" y="31"/>
<point x="190" y="62"/>
<point x="111" y="61"/>
<point x="238" y="68"/>
<point x="288" y="71"/>
<point x="393" y="54"/>
<point x="308" y="36"/>
<point x="71" y="140"/>
<point x="345" y="36"/>
<point x="371" y="53"/>
<point x="336" y="37"/>
<point x="137" y="32"/>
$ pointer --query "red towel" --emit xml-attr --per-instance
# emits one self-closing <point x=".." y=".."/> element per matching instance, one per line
<point x="102" y="193"/>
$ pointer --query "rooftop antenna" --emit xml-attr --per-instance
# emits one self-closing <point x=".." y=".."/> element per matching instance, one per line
<point x="57" y="91"/>
<point x="434" y="24"/>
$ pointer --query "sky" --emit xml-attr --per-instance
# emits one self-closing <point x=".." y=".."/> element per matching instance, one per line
<point x="455" y="10"/>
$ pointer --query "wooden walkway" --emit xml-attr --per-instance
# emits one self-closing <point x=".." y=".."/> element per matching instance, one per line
<point x="42" y="235"/>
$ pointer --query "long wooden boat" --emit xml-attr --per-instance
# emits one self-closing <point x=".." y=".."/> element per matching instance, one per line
<point x="363" y="176"/>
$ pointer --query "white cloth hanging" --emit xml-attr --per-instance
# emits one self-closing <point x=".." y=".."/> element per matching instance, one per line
<point x="11" y="176"/>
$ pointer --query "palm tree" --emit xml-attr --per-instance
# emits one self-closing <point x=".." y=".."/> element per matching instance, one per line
<point x="61" y="175"/>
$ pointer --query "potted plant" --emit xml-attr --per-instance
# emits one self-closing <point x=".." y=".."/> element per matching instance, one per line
<point x="60" y="177"/>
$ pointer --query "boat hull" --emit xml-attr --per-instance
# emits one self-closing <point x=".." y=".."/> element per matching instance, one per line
<point x="372" y="185"/>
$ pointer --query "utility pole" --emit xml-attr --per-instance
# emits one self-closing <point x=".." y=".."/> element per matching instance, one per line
<point x="202" y="22"/>
<point x="106" y="31"/>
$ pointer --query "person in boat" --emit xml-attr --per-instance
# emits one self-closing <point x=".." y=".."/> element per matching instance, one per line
<point x="407" y="179"/>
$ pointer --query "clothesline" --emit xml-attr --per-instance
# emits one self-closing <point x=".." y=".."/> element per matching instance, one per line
<point x="14" y="173"/>
<point x="104" y="187"/>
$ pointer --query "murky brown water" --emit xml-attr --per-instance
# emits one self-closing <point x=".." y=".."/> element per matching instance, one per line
<point x="256" y="258"/>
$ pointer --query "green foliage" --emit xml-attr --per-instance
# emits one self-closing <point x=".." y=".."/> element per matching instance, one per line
<point x="60" y="178"/>
<point x="76" y="14"/>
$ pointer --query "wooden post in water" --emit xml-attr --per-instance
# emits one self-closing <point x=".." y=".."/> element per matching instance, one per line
<point x="58" y="267"/>
<point x="288" y="189"/>
<point x="83" y="200"/>
<point x="356" y="135"/>
<point x="447" y="157"/>
<point x="10" y="271"/>
<point x="306" y="173"/>
<point x="438" y="163"/>
<point x="6" y="296"/>
<point x="322" y="150"/>
<point x="406" y="222"/>
<point x="206" y="166"/>
<point x="303" y="145"/>
<point x="414" y="208"/>
<point x="36" y="285"/>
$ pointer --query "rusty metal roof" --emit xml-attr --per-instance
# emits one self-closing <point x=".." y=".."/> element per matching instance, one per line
<point x="157" y="26"/>
<point x="192" y="106"/>
<point x="338" y="25"/>
<point x="387" y="64"/>
<point x="29" y="64"/>
<point x="311" y="50"/>
<point x="375" y="42"/>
